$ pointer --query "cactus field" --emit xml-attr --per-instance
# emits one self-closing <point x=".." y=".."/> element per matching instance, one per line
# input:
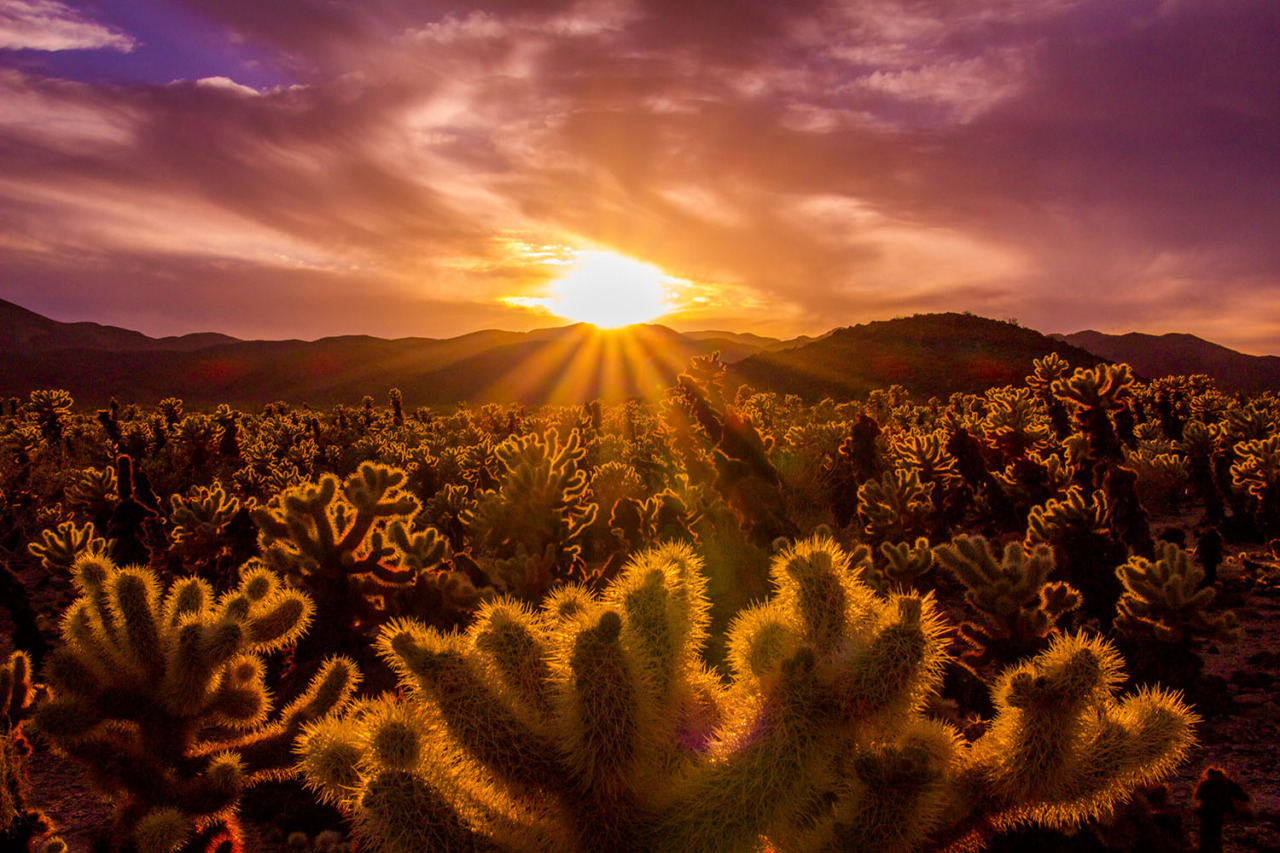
<point x="1045" y="616"/>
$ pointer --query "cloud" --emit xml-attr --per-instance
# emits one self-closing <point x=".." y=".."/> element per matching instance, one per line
<point x="50" y="25"/>
<point x="1073" y="163"/>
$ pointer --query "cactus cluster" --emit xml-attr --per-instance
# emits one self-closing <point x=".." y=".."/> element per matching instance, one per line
<point x="591" y="724"/>
<point x="160" y="695"/>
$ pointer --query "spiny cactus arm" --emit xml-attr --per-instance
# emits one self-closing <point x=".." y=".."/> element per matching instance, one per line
<point x="600" y="715"/>
<point x="375" y="491"/>
<point x="267" y="752"/>
<point x="755" y="775"/>
<point x="299" y="519"/>
<point x="380" y="764"/>
<point x="897" y="668"/>
<point x="890" y="797"/>
<point x="817" y="582"/>
<point x="662" y="593"/>
<point x="163" y="830"/>
<point x="1061" y="749"/>
<point x="510" y="641"/>
<point x="17" y="691"/>
<point x="907" y="563"/>
<point x="442" y="671"/>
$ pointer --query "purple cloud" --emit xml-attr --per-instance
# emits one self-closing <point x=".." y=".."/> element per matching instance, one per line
<point x="1074" y="163"/>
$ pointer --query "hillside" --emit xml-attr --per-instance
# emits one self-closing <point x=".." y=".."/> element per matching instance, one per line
<point x="1154" y="356"/>
<point x="928" y="354"/>
<point x="26" y="332"/>
<point x="563" y="365"/>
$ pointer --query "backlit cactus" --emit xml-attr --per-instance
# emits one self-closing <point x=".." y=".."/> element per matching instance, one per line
<point x="19" y="822"/>
<point x="1257" y="473"/>
<point x="541" y="503"/>
<point x="1017" y="606"/>
<point x="1164" y="615"/>
<point x="591" y="724"/>
<point x="1086" y="549"/>
<point x="896" y="507"/>
<point x="160" y="695"/>
<point x="339" y="542"/>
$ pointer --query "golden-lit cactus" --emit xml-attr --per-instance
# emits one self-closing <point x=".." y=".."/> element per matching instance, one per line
<point x="1017" y="606"/>
<point x="900" y="567"/>
<point x="1086" y="548"/>
<point x="160" y="695"/>
<point x="59" y="549"/>
<point x="541" y="502"/>
<point x="1014" y="423"/>
<point x="1257" y="473"/>
<point x="199" y="539"/>
<point x="591" y="724"/>
<point x="896" y="507"/>
<point x="1164" y="616"/>
<point x="1062" y="748"/>
<point x="342" y="543"/>
<point x="19" y="822"/>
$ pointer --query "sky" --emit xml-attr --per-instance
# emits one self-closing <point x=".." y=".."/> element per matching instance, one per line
<point x="300" y="168"/>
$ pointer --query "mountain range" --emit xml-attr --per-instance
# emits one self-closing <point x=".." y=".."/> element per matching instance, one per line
<point x="928" y="354"/>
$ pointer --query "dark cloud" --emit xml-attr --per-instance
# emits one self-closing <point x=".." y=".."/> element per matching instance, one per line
<point x="1074" y="163"/>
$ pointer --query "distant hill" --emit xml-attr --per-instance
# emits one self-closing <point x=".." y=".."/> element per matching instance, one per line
<point x="928" y="354"/>
<point x="23" y="331"/>
<point x="1155" y="356"/>
<point x="562" y="365"/>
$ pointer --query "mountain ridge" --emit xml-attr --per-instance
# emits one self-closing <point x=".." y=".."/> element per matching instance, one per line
<point x="928" y="354"/>
<point x="1179" y="353"/>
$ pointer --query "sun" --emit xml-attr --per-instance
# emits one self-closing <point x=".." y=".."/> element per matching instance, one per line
<point x="609" y="291"/>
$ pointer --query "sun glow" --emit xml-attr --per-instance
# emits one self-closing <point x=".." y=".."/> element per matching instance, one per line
<point x="610" y="291"/>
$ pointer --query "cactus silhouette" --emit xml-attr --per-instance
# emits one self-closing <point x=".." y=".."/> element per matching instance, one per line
<point x="1085" y="548"/>
<point x="332" y="540"/>
<point x="591" y="724"/>
<point x="160" y="696"/>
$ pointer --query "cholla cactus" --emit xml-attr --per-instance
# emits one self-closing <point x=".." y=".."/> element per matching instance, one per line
<point x="93" y="492"/>
<point x="901" y="567"/>
<point x="59" y="549"/>
<point x="1085" y="547"/>
<point x="1018" y="607"/>
<point x="160" y="695"/>
<point x="899" y="506"/>
<point x="1062" y="747"/>
<point x="333" y="543"/>
<point x="1163" y="478"/>
<point x="19" y="822"/>
<point x="1094" y="394"/>
<point x="540" y="502"/>
<point x="1163" y="614"/>
<point x="927" y="455"/>
<point x="1257" y="473"/>
<point x="50" y="408"/>
<point x="1014" y="424"/>
<point x="592" y="725"/>
<point x="200" y="539"/>
<point x="1045" y="373"/>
